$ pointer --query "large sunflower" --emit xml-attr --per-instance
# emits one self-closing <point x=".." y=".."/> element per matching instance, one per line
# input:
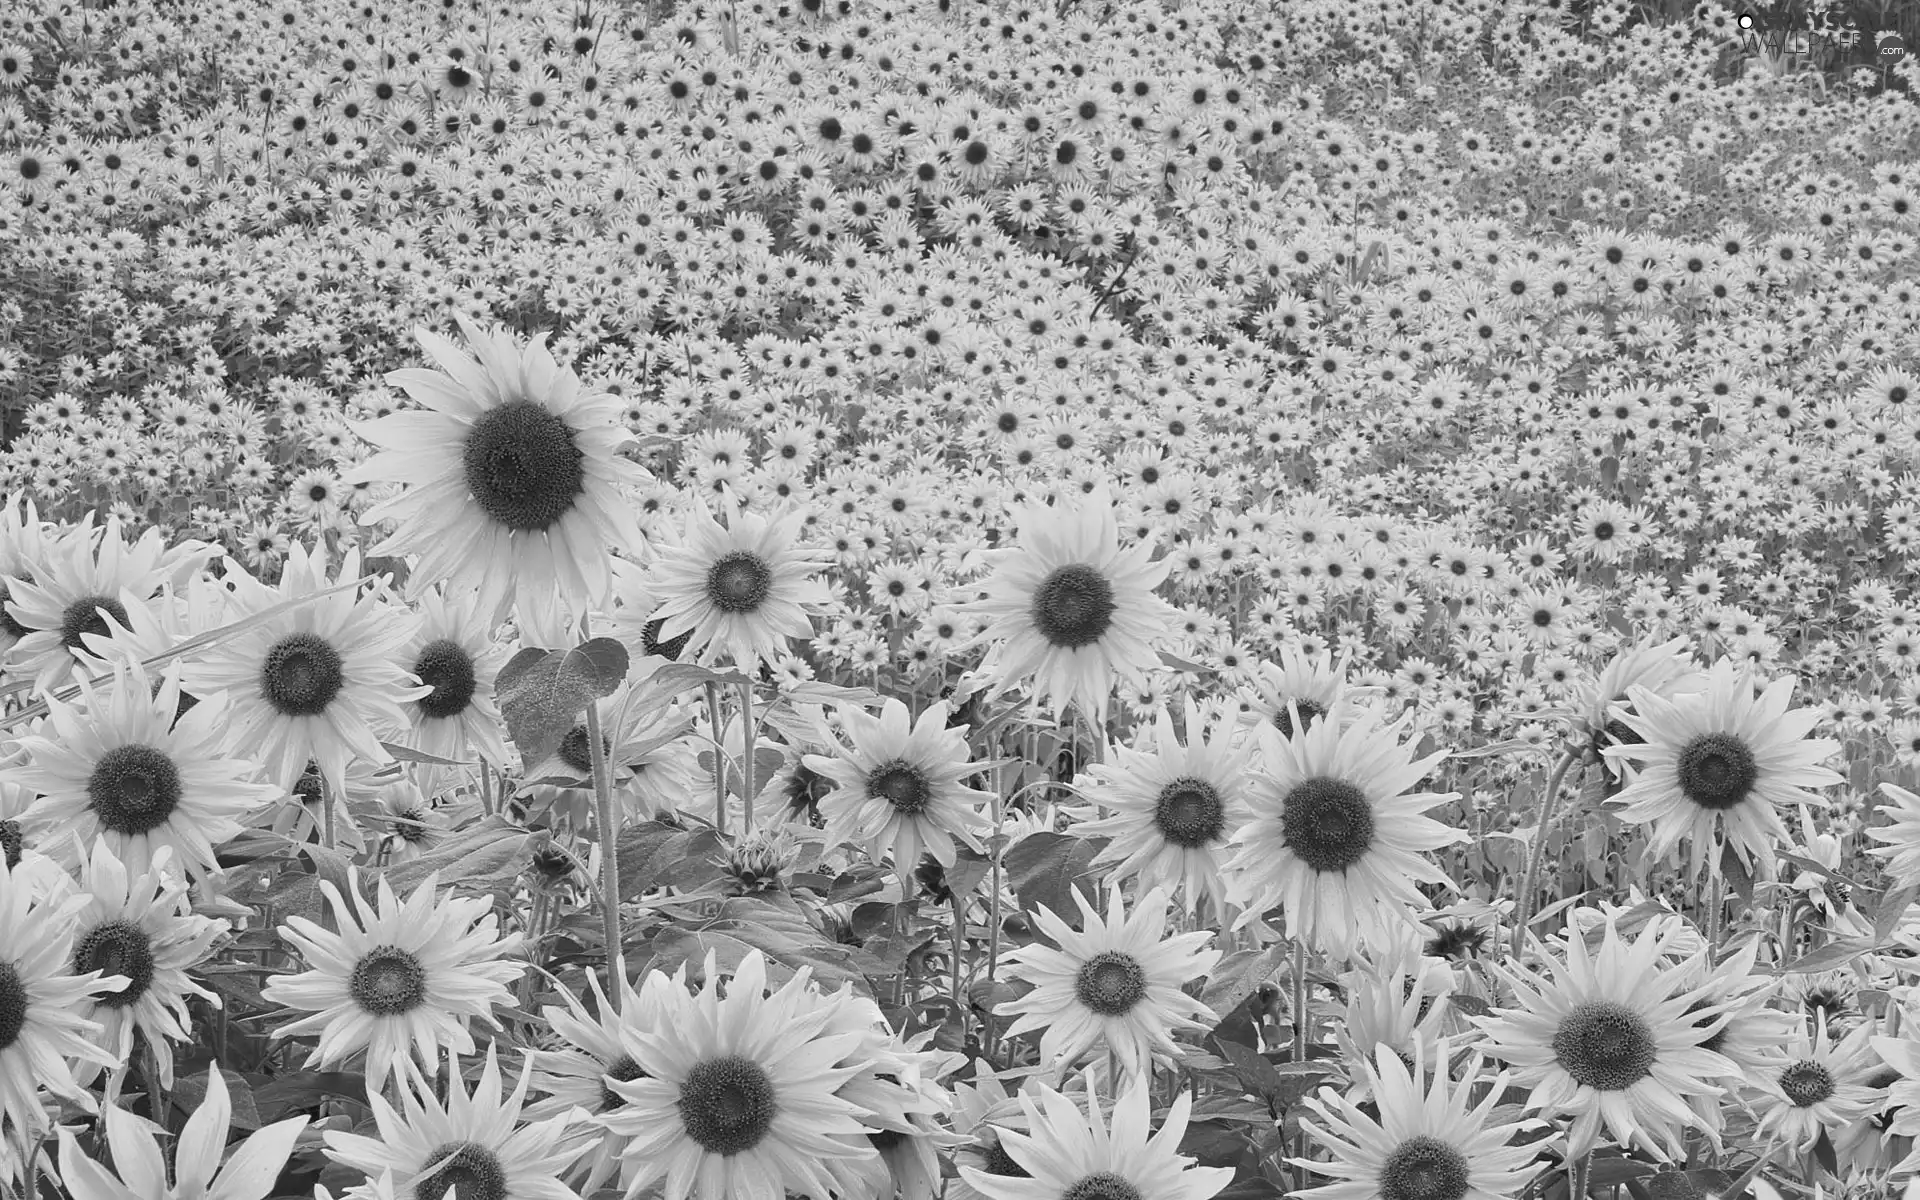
<point x="1611" y="1039"/>
<point x="1173" y="808"/>
<point x="1722" y="758"/>
<point x="453" y="652"/>
<point x="471" y="1145"/>
<point x="1424" y="1140"/>
<point x="515" y="480"/>
<point x="899" y="787"/>
<point x="1115" y="986"/>
<point x="1071" y="607"/>
<point x="1071" y="1153"/>
<point x="397" y="980"/>
<point x="738" y="591"/>
<point x="1336" y="839"/>
<point x="120" y="766"/>
<point x="735" y="1096"/>
<point x="314" y="682"/>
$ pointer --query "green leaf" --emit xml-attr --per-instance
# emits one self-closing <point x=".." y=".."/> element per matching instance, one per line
<point x="190" y="1090"/>
<point x="1821" y="869"/>
<point x="1835" y="954"/>
<point x="653" y="854"/>
<point x="491" y="851"/>
<point x="968" y="869"/>
<point x="543" y="692"/>
<point x="1238" y="974"/>
<point x="1044" y="867"/>
<point x="409" y="754"/>
<point x="302" y="1091"/>
<point x="1889" y="911"/>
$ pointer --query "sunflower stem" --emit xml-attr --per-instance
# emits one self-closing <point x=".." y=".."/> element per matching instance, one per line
<point x="719" y="761"/>
<point x="609" y="861"/>
<point x="959" y="942"/>
<point x="746" y="759"/>
<point x="994" y="848"/>
<point x="1582" y="1177"/>
<point x="1300" y="1039"/>
<point x="1523" y="902"/>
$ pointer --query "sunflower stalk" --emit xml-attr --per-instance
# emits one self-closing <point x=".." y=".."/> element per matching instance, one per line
<point x="609" y="862"/>
<point x="1300" y="1040"/>
<point x="746" y="759"/>
<point x="719" y="761"/>
<point x="1523" y="902"/>
<point x="1582" y="1177"/>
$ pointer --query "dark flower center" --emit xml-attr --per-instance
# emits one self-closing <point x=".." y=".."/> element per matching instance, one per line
<point x="311" y="787"/>
<point x="411" y="825"/>
<point x="576" y="753"/>
<point x="727" y="1104"/>
<point x="523" y="466"/>
<point x="1111" y="983"/>
<point x="1604" y="1045"/>
<point x="388" y="981"/>
<point x="1073" y="607"/>
<point x="669" y="649"/>
<point x="83" y="616"/>
<point x="11" y="842"/>
<point x="117" y="948"/>
<point x="739" y="582"/>
<point x="806" y="788"/>
<point x="1806" y="1083"/>
<point x="999" y="1162"/>
<point x="302" y="675"/>
<point x="623" y="1070"/>
<point x="900" y="784"/>
<point x="1328" y="823"/>
<point x="1189" y="812"/>
<point x="1423" y="1168"/>
<point x="133" y="789"/>
<point x="448" y="670"/>
<point x="13" y="1005"/>
<point x="1717" y="771"/>
<point x="472" y="1173"/>
<point x="1310" y="711"/>
<point x="1102" y="1186"/>
<point x="1457" y="940"/>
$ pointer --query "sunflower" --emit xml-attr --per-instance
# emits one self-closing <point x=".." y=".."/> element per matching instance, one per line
<point x="1071" y="607"/>
<point x="79" y="576"/>
<point x="1821" y="1088"/>
<point x="514" y="480"/>
<point x="142" y="928"/>
<point x="1722" y="758"/>
<point x="312" y="682"/>
<point x="1396" y="1001"/>
<point x="396" y="979"/>
<point x="592" y="1052"/>
<point x="1173" y="808"/>
<point x="1611" y="1039"/>
<point x="1115" y="987"/>
<point x="898" y="787"/>
<point x="1899" y="837"/>
<point x="1662" y="667"/>
<point x="453" y="652"/>
<point x="40" y="1027"/>
<point x="123" y="768"/>
<point x="981" y="1110"/>
<point x="1312" y="685"/>
<point x="1072" y="1153"/>
<point x="1425" y="1139"/>
<point x="1336" y="840"/>
<point x="738" y="591"/>
<point x="735" y="1096"/>
<point x="648" y="756"/>
<point x="23" y="541"/>
<point x="176" y="615"/>
<point x="414" y="826"/>
<point x="470" y="1145"/>
<point x="140" y="1172"/>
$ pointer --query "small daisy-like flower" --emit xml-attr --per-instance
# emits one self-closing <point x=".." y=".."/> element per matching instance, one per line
<point x="312" y="682"/>
<point x="1311" y="685"/>
<point x="1114" y="987"/>
<point x="140" y="1171"/>
<point x="471" y="1145"/>
<point x="142" y="928"/>
<point x="1174" y="808"/>
<point x="78" y="577"/>
<point x="452" y="651"/>
<point x="414" y="827"/>
<point x="1610" y="1040"/>
<point x="514" y="480"/>
<point x="1071" y="607"/>
<point x="1336" y="839"/>
<point x="1821" y="1088"/>
<point x="736" y="1095"/>
<point x="1426" y="1139"/>
<point x="397" y="979"/>
<point x="595" y="1052"/>
<point x="739" y="591"/>
<point x="121" y="767"/>
<point x="40" y="997"/>
<point x="898" y="787"/>
<point x="1071" y="1153"/>
<point x="1899" y="837"/>
<point x="1722" y="759"/>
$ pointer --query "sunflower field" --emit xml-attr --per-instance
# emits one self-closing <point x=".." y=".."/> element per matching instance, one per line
<point x="959" y="599"/>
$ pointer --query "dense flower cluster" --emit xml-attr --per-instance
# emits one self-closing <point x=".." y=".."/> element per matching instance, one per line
<point x="954" y="599"/>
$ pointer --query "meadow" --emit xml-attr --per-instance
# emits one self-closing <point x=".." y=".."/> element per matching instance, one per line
<point x="958" y="599"/>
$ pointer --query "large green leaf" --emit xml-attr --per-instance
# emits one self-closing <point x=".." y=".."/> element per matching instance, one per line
<point x="1044" y="867"/>
<point x="543" y="692"/>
